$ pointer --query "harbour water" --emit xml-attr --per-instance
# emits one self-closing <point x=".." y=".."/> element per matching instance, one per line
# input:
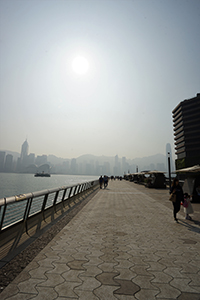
<point x="16" y="183"/>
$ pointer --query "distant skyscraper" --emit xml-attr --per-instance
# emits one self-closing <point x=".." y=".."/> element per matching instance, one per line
<point x="24" y="151"/>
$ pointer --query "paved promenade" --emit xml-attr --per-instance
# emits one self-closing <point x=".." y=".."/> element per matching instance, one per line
<point x="124" y="244"/>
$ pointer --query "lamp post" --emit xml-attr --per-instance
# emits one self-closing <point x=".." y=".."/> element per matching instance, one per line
<point x="169" y="170"/>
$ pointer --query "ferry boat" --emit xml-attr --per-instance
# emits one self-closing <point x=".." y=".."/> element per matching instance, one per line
<point x="42" y="174"/>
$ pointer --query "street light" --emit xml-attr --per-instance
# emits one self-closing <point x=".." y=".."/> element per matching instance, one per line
<point x="169" y="170"/>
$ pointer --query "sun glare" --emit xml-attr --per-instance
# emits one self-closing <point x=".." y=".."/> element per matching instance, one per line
<point x="80" y="65"/>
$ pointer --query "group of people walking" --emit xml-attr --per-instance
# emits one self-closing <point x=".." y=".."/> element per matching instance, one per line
<point x="178" y="198"/>
<point x="103" y="181"/>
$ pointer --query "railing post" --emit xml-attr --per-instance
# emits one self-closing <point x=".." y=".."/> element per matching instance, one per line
<point x="63" y="197"/>
<point x="55" y="198"/>
<point x="3" y="215"/>
<point x="74" y="193"/>
<point x="82" y="187"/>
<point x="44" y="204"/>
<point x="70" y="192"/>
<point x="26" y="213"/>
<point x="79" y="188"/>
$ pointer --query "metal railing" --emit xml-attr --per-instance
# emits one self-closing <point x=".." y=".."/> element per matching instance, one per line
<point x="21" y="207"/>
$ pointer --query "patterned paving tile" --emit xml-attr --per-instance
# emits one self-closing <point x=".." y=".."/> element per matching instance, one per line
<point x="33" y="265"/>
<point x="45" y="293"/>
<point x="125" y="274"/>
<point x="174" y="272"/>
<point x="146" y="294"/>
<point x="73" y="276"/>
<point x="161" y="277"/>
<point x="66" y="289"/>
<point x="20" y="296"/>
<point x="121" y="255"/>
<point x="29" y="286"/>
<point x="46" y="263"/>
<point x="182" y="284"/>
<point x="93" y="260"/>
<point x="22" y="277"/>
<point x="139" y="260"/>
<point x="127" y="287"/>
<point x="195" y="279"/>
<point x="88" y="284"/>
<point x="123" y="263"/>
<point x="77" y="264"/>
<point x="52" y="280"/>
<point x="80" y="256"/>
<point x="166" y="291"/>
<point x="107" y="278"/>
<point x="155" y="266"/>
<point x="91" y="271"/>
<point x="108" y="267"/>
<point x="124" y="297"/>
<point x="40" y="272"/>
<point x="58" y="268"/>
<point x="63" y="260"/>
<point x="189" y="296"/>
<point x="140" y="270"/>
<point x="144" y="282"/>
<point x="86" y="295"/>
<point x="105" y="292"/>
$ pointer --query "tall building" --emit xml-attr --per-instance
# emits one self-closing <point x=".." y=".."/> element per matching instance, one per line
<point x="186" y="119"/>
<point x="24" y="152"/>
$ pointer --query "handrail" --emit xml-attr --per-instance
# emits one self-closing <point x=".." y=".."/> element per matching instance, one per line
<point x="20" y="207"/>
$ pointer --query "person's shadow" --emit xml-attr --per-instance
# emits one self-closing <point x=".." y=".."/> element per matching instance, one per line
<point x="189" y="226"/>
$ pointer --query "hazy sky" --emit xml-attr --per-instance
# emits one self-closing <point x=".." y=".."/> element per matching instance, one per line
<point x="143" y="56"/>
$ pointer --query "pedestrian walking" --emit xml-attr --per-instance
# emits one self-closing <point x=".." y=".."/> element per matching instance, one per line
<point x="177" y="191"/>
<point x="105" y="179"/>
<point x="187" y="206"/>
<point x="100" y="181"/>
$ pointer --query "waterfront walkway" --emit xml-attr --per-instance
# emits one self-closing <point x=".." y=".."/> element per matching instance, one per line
<point x="124" y="244"/>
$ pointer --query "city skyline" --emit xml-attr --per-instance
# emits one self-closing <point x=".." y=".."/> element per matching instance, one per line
<point x="84" y="165"/>
<point x="96" y="76"/>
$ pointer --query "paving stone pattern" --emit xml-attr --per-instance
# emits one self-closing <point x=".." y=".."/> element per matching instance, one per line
<point x="122" y="245"/>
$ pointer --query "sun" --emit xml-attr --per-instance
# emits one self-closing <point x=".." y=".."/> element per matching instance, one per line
<point x="80" y="65"/>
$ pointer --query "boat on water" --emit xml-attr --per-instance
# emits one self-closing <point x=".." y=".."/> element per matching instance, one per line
<point x="42" y="174"/>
